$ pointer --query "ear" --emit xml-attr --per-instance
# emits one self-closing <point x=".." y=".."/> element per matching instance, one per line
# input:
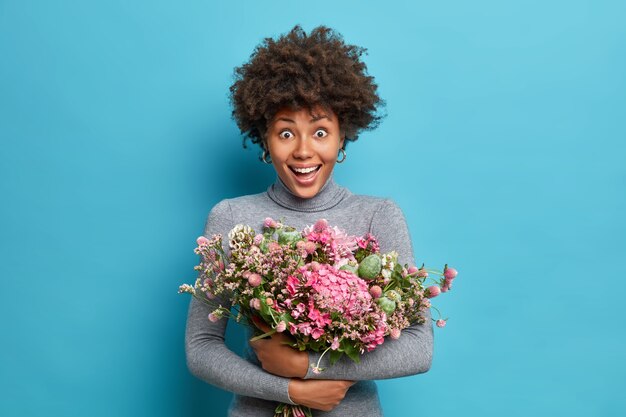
<point x="342" y="140"/>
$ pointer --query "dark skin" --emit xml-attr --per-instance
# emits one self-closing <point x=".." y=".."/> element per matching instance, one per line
<point x="279" y="358"/>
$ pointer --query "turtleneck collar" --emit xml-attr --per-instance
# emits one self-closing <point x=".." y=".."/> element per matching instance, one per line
<point x="329" y="196"/>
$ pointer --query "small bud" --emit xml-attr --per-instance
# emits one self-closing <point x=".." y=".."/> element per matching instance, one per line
<point x="320" y="225"/>
<point x="450" y="273"/>
<point x="254" y="280"/>
<point x="376" y="291"/>
<point x="310" y="247"/>
<point x="269" y="222"/>
<point x="202" y="241"/>
<point x="255" y="303"/>
<point x="433" y="291"/>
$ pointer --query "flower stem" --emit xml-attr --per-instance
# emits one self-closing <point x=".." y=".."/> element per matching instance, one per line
<point x="263" y="336"/>
<point x="317" y="365"/>
<point x="438" y="312"/>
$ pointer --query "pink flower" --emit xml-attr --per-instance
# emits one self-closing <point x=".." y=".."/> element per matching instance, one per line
<point x="441" y="323"/>
<point x="273" y="246"/>
<point x="292" y="284"/>
<point x="422" y="273"/>
<point x="413" y="270"/>
<point x="269" y="222"/>
<point x="450" y="273"/>
<point x="320" y="225"/>
<point x="448" y="283"/>
<point x="213" y="317"/>
<point x="433" y="291"/>
<point x="394" y="333"/>
<point x="255" y="303"/>
<point x="254" y="280"/>
<point x="202" y="241"/>
<point x="317" y="333"/>
<point x="258" y="239"/>
<point x="335" y="344"/>
<point x="316" y="370"/>
<point x="320" y="320"/>
<point x="281" y="327"/>
<point x="305" y="328"/>
<point x="310" y="247"/>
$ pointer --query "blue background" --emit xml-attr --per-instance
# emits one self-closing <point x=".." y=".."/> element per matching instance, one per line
<point x="504" y="145"/>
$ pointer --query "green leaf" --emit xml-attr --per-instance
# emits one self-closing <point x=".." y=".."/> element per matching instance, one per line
<point x="354" y="355"/>
<point x="335" y="355"/>
<point x="350" y="350"/>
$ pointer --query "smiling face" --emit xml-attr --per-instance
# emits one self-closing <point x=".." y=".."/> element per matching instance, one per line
<point x="303" y="146"/>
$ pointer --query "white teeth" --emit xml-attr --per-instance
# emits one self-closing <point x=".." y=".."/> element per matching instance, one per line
<point x="304" y="170"/>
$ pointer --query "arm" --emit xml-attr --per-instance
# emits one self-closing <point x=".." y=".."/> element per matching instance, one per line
<point x="208" y="357"/>
<point x="410" y="354"/>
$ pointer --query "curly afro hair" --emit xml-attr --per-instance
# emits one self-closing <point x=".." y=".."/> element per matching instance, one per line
<point x="299" y="71"/>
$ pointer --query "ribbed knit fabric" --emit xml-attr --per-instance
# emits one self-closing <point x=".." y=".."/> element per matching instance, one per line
<point x="256" y="391"/>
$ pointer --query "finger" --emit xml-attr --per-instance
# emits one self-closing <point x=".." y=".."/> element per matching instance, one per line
<point x="257" y="344"/>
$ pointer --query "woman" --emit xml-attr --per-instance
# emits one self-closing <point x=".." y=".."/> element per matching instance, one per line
<point x="302" y="98"/>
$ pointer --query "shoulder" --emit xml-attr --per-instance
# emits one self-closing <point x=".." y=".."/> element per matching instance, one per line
<point x="377" y="206"/>
<point x="225" y="208"/>
<point x="244" y="201"/>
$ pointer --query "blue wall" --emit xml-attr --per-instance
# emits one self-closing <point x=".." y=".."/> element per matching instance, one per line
<point x="504" y="144"/>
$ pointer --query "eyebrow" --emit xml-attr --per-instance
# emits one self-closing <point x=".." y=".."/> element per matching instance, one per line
<point x="286" y="119"/>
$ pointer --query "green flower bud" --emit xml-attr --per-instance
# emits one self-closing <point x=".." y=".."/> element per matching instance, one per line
<point x="350" y="268"/>
<point x="370" y="267"/>
<point x="386" y="304"/>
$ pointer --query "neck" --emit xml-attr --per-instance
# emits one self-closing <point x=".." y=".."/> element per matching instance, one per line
<point x="328" y="196"/>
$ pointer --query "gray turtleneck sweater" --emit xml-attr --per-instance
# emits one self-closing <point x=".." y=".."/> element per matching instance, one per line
<point x="257" y="391"/>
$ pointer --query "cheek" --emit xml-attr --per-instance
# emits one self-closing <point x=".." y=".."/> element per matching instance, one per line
<point x="330" y="155"/>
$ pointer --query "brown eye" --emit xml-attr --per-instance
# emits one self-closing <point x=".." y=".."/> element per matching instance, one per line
<point x="281" y="134"/>
<point x="323" y="133"/>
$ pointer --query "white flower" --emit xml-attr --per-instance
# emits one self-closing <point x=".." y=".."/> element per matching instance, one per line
<point x="238" y="234"/>
<point x="386" y="273"/>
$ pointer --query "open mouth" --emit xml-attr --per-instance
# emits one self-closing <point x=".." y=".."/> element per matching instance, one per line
<point x="305" y="173"/>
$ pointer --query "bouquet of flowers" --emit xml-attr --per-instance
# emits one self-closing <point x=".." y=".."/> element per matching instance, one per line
<point x="332" y="292"/>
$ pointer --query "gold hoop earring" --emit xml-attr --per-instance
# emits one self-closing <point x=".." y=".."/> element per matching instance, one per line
<point x="343" y="156"/>
<point x="264" y="157"/>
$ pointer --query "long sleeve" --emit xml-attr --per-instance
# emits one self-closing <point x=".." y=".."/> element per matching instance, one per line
<point x="410" y="354"/>
<point x="208" y="357"/>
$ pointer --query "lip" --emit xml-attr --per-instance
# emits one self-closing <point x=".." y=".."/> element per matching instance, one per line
<point x="304" y="166"/>
<point x="305" y="181"/>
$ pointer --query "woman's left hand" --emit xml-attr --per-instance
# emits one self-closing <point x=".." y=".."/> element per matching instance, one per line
<point x="277" y="357"/>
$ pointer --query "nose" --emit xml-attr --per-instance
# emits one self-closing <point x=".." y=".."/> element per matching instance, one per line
<point x="303" y="148"/>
